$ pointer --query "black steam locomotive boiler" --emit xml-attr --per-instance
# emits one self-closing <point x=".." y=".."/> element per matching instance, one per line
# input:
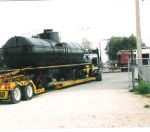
<point x="45" y="50"/>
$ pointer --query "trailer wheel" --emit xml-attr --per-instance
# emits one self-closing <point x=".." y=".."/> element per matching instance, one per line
<point x="15" y="95"/>
<point x="27" y="92"/>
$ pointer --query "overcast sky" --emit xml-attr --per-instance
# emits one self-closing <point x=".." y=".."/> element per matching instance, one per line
<point x="95" y="20"/>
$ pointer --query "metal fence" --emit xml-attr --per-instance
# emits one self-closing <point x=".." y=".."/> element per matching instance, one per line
<point x="138" y="72"/>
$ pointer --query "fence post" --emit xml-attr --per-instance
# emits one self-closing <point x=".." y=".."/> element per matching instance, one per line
<point x="132" y="68"/>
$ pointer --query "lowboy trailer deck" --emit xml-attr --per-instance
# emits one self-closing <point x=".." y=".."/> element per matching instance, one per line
<point x="20" y="84"/>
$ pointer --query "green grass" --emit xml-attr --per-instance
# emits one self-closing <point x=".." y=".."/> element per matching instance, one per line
<point x="131" y="90"/>
<point x="147" y="106"/>
<point x="143" y="88"/>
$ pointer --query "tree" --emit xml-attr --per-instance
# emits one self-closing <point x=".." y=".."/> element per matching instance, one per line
<point x="119" y="43"/>
<point x="86" y="44"/>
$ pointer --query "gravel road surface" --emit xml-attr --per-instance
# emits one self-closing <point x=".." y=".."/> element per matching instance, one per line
<point x="104" y="104"/>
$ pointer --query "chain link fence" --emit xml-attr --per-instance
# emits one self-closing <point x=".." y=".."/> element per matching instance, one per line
<point x="137" y="73"/>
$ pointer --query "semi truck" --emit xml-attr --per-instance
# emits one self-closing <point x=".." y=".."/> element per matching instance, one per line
<point x="34" y="65"/>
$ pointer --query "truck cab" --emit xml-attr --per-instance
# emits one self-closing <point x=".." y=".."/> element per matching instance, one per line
<point x="93" y="57"/>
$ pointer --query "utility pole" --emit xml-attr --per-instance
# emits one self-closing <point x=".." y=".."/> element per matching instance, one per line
<point x="100" y="52"/>
<point x="138" y="35"/>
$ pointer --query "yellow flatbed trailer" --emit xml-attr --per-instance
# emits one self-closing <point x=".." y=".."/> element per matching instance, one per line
<point x="18" y="84"/>
<point x="8" y="87"/>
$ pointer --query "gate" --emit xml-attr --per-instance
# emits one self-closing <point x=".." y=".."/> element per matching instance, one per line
<point x="138" y="72"/>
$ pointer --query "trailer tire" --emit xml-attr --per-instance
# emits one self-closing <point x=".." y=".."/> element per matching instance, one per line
<point x="27" y="92"/>
<point x="15" y="95"/>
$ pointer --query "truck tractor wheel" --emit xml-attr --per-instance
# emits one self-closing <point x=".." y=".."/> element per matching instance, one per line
<point x="98" y="77"/>
<point x="27" y="92"/>
<point x="58" y="78"/>
<point x="15" y="95"/>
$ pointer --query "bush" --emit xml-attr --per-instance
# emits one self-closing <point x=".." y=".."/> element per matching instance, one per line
<point x="143" y="87"/>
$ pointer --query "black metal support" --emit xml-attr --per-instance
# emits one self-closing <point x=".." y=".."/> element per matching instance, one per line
<point x="133" y="70"/>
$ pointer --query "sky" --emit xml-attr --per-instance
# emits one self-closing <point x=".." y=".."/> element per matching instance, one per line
<point x="96" y="20"/>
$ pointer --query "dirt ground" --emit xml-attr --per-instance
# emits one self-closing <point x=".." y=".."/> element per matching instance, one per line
<point x="105" y="104"/>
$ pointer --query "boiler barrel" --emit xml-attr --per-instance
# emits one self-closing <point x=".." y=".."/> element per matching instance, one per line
<point x="19" y="52"/>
